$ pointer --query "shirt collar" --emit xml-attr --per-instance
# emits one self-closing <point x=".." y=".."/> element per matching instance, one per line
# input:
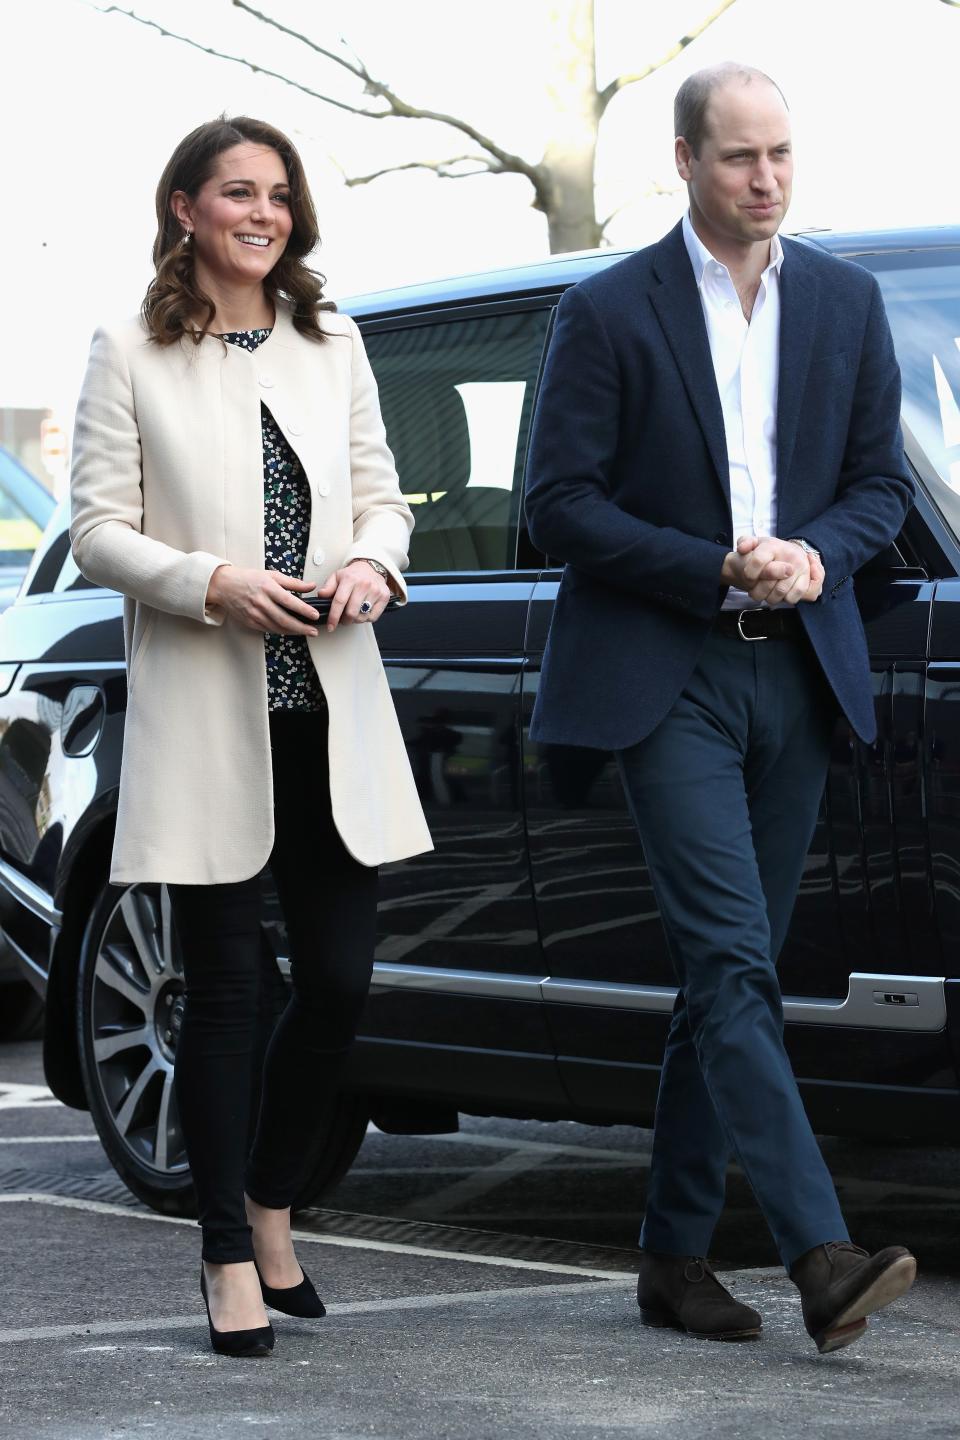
<point x="700" y="256"/>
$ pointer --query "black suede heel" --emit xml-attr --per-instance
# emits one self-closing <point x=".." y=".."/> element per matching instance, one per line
<point x="251" y="1343"/>
<point x="301" y="1300"/>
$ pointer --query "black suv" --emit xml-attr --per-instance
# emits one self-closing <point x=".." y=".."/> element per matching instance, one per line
<point x="521" y="969"/>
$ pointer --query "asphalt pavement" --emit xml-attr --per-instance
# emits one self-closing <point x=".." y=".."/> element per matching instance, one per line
<point x="478" y="1285"/>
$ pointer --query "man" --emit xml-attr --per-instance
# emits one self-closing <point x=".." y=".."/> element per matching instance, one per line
<point x="716" y="452"/>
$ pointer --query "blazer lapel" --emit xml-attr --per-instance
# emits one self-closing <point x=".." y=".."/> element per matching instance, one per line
<point x="798" y="326"/>
<point x="678" y="308"/>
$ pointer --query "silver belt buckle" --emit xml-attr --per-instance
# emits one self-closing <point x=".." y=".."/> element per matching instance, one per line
<point x="740" y="615"/>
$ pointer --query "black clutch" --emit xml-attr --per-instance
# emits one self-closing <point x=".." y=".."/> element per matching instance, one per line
<point x="321" y="604"/>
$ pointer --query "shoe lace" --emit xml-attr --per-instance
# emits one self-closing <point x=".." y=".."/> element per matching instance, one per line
<point x="832" y="1246"/>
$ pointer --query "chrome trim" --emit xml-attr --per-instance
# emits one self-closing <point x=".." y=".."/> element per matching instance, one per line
<point x="30" y="895"/>
<point x="653" y="999"/>
<point x="57" y="667"/>
<point x="916" y="1002"/>
<point x="488" y="983"/>
<point x="873" y="1002"/>
<point x="877" y="1002"/>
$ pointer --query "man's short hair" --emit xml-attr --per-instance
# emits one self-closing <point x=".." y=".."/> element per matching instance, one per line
<point x="693" y="97"/>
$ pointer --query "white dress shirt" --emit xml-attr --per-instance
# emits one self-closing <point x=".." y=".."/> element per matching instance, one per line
<point x="746" y="362"/>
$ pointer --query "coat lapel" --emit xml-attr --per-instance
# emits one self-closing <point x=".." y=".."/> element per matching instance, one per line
<point x="798" y="325"/>
<point x="678" y="307"/>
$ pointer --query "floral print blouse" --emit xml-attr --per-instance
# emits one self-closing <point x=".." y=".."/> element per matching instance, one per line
<point x="292" y="682"/>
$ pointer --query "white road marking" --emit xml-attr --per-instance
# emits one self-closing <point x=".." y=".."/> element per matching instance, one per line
<point x="354" y="1307"/>
<point x="504" y="1142"/>
<point x="49" y="1139"/>
<point x="24" y="1097"/>
<point x="345" y="1242"/>
<point x="471" y="1186"/>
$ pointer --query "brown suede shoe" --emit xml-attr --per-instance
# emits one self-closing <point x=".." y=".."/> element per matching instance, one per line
<point x="681" y="1292"/>
<point x="840" y="1285"/>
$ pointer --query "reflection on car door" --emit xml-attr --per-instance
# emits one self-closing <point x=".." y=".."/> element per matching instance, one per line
<point x="863" y="906"/>
<point x="458" y="957"/>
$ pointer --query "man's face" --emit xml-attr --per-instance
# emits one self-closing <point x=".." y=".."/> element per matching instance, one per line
<point x="740" y="183"/>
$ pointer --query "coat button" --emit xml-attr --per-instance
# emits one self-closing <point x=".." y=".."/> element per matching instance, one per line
<point x="323" y="488"/>
<point x="721" y="538"/>
<point x="266" y="381"/>
<point x="318" y="556"/>
<point x="294" y="427"/>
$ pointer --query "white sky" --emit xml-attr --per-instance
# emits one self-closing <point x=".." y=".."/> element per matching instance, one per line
<point x="92" y="105"/>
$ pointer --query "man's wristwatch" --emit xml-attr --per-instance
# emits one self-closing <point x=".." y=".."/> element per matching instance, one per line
<point x="805" y="545"/>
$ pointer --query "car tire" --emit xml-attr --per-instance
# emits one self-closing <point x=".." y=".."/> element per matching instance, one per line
<point x="344" y="1127"/>
<point x="129" y="1011"/>
<point x="21" y="1012"/>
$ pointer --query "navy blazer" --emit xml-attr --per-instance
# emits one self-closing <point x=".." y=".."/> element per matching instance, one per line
<point x="628" y="482"/>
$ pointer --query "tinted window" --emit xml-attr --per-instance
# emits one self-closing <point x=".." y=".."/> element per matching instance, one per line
<point x="25" y="508"/>
<point x="921" y="292"/>
<point x="53" y="567"/>
<point x="456" y="400"/>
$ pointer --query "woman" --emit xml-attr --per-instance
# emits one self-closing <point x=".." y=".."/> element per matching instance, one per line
<point x="229" y="457"/>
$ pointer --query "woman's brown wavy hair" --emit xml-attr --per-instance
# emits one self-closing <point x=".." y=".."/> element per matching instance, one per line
<point x="174" y="302"/>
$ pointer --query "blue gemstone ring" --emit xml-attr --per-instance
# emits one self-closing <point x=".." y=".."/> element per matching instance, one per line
<point x="365" y="608"/>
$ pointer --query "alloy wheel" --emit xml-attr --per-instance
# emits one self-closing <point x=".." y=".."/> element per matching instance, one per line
<point x="136" y="1010"/>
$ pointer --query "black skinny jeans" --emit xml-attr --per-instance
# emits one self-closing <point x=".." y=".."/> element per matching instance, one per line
<point x="240" y="1072"/>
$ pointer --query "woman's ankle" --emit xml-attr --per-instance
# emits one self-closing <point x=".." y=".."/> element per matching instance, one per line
<point x="269" y="1216"/>
<point x="222" y="1267"/>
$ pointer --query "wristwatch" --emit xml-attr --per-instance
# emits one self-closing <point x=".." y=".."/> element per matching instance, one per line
<point x="805" y="545"/>
<point x="380" y="569"/>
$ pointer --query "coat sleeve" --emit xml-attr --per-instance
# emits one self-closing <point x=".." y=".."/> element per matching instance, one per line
<point x="106" y="499"/>
<point x="382" y="520"/>
<point x="875" y="488"/>
<point x="570" y="511"/>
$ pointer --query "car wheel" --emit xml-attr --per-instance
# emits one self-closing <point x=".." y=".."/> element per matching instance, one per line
<point x="21" y="1011"/>
<point x="129" y="1013"/>
<point x="344" y="1127"/>
<point x="131" y="1004"/>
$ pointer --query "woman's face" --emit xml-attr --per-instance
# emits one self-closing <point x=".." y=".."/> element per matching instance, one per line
<point x="240" y="217"/>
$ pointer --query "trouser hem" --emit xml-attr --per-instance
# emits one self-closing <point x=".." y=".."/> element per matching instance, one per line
<point x="227" y="1255"/>
<point x="809" y="1241"/>
<point x="269" y="1199"/>
<point x="672" y="1242"/>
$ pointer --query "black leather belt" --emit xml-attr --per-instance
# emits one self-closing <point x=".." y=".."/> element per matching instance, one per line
<point x="760" y="624"/>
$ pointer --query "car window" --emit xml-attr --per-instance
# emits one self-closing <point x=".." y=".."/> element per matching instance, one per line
<point x="456" y="398"/>
<point x="53" y="568"/>
<point x="921" y="293"/>
<point x="25" y="507"/>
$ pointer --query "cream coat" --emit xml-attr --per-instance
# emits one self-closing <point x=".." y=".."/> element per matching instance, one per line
<point x="167" y="484"/>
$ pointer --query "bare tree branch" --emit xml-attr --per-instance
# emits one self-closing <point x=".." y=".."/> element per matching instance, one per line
<point x="356" y="68"/>
<point x="402" y="109"/>
<point x="605" y="95"/>
<point x="654" y="188"/>
<point x="250" y="64"/>
<point x="442" y="168"/>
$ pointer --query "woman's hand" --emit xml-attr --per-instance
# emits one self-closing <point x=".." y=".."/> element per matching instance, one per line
<point x="263" y="600"/>
<point x="355" y="585"/>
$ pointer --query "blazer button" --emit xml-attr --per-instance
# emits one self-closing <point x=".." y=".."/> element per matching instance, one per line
<point x="294" y="428"/>
<point x="323" y="488"/>
<point x="317" y="556"/>
<point x="266" y="381"/>
<point x="721" y="539"/>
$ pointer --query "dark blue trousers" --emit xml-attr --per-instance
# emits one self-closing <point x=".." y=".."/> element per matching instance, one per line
<point x="725" y="794"/>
